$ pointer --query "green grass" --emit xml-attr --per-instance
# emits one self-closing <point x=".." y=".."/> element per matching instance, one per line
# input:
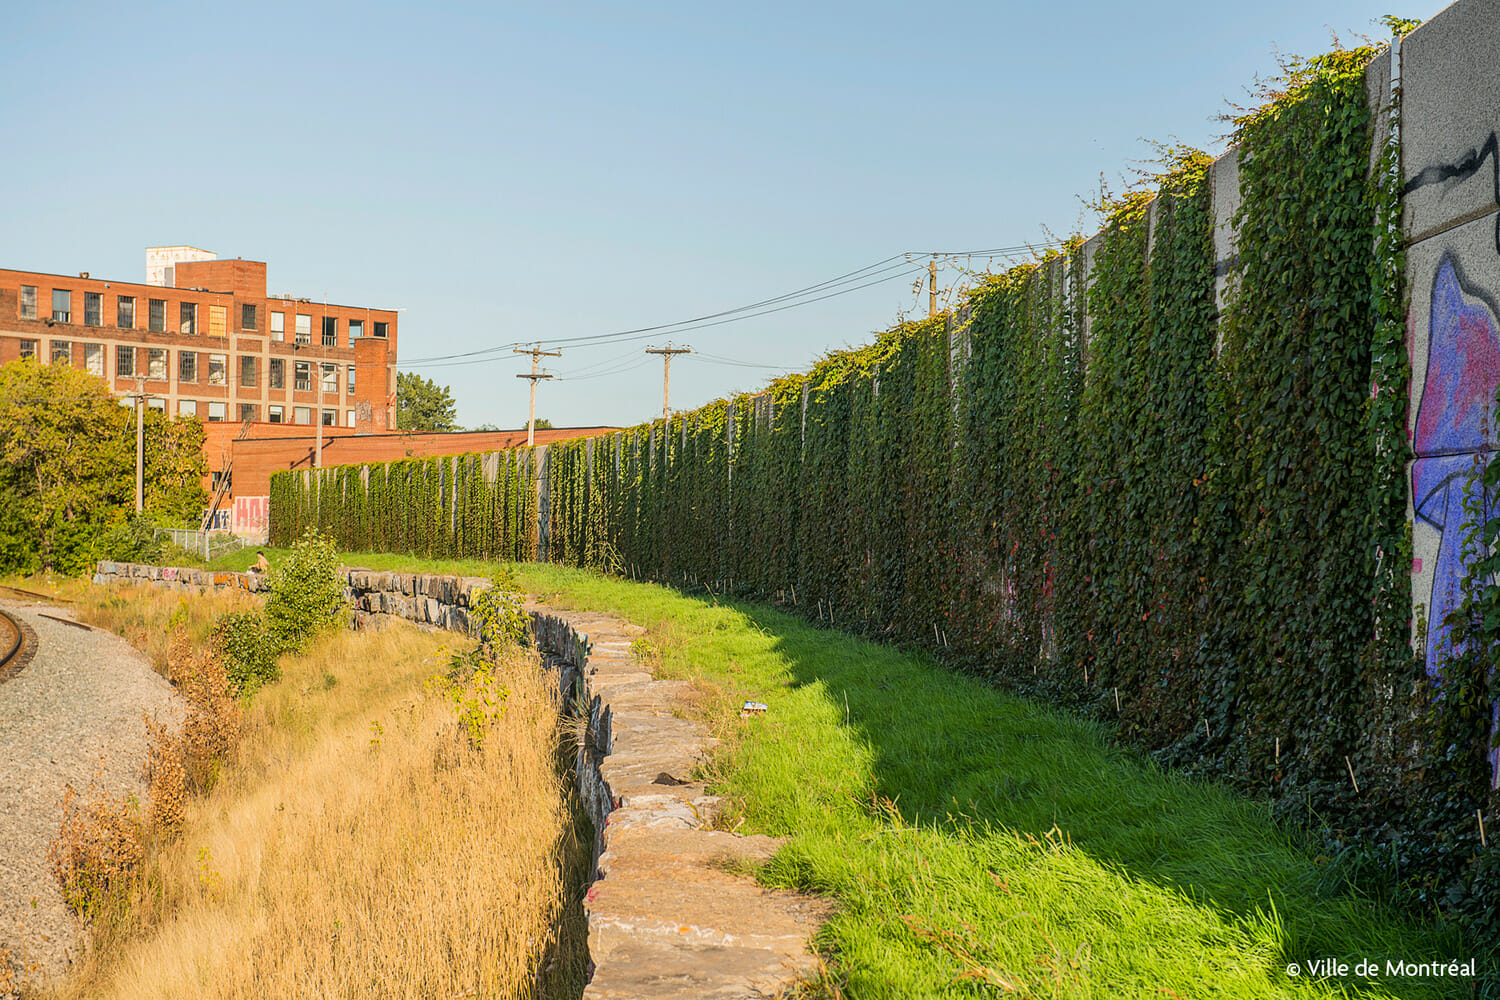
<point x="978" y="844"/>
<point x="973" y="838"/>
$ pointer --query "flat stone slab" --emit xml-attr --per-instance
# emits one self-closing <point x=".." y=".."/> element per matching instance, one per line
<point x="669" y="916"/>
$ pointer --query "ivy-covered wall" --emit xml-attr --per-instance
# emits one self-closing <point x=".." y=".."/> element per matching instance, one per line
<point x="1162" y="476"/>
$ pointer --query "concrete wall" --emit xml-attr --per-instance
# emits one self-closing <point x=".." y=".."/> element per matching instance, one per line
<point x="1450" y="115"/>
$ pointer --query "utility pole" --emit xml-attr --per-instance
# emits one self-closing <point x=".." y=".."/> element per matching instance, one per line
<point x="932" y="288"/>
<point x="666" y="372"/>
<point x="140" y="444"/>
<point x="536" y="353"/>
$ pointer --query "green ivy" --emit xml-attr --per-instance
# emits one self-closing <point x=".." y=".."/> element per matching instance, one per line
<point x="1088" y="483"/>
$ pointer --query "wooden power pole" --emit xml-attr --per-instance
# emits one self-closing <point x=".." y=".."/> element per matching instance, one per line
<point x="140" y="444"/>
<point x="536" y="353"/>
<point x="932" y="288"/>
<point x="666" y="372"/>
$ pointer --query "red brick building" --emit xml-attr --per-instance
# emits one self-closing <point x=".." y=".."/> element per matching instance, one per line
<point x="205" y="339"/>
<point x="201" y="337"/>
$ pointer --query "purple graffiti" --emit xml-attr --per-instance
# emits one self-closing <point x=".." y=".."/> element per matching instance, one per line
<point x="1455" y="435"/>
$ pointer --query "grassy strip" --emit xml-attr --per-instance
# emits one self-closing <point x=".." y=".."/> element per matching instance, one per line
<point x="975" y="839"/>
<point x="378" y="831"/>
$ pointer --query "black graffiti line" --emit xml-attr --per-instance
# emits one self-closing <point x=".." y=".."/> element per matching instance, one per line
<point x="1466" y="167"/>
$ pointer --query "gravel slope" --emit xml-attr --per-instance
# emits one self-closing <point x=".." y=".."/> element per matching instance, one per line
<point x="73" y="715"/>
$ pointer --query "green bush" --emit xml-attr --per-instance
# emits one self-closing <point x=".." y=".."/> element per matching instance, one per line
<point x="306" y="595"/>
<point x="249" y="651"/>
<point x="134" y="540"/>
<point x="499" y="616"/>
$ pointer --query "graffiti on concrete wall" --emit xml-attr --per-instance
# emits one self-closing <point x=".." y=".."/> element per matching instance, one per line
<point x="1462" y="169"/>
<point x="1455" y="435"/>
<point x="251" y="515"/>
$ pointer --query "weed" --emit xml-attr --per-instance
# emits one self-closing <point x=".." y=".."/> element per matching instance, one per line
<point x="96" y="853"/>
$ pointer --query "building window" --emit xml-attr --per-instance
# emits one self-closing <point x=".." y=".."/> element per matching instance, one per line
<point x="156" y="315"/>
<point x="304" y="328"/>
<point x="28" y="348"/>
<point x="28" y="302"/>
<point x="351" y="380"/>
<point x="62" y="305"/>
<point x="247" y="371"/>
<point x="356" y="330"/>
<point x="330" y="331"/>
<point x="62" y="352"/>
<point x="218" y="321"/>
<point x="156" y="364"/>
<point x="93" y="359"/>
<point x="156" y="403"/>
<point x="125" y="312"/>
<point x="125" y="361"/>
<point x="187" y="366"/>
<point x="330" y="418"/>
<point x="302" y="414"/>
<point x="330" y="377"/>
<point x="302" y="376"/>
<point x="188" y="315"/>
<point x="218" y="369"/>
<point x="248" y="412"/>
<point x="187" y="407"/>
<point x="247" y="316"/>
<point x="93" y="308"/>
<point x="348" y="418"/>
<point x="278" y="326"/>
<point x="381" y="329"/>
<point x="218" y="410"/>
<point x="274" y="414"/>
<point x="220" y="479"/>
<point x="276" y="377"/>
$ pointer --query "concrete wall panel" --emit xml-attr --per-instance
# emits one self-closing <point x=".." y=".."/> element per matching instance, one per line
<point x="1454" y="320"/>
<point x="1225" y="177"/>
<point x="1450" y="115"/>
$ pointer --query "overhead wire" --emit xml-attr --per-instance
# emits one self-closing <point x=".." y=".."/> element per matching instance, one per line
<point x="903" y="265"/>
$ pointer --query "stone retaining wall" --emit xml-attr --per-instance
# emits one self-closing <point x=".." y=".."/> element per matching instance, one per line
<point x="176" y="577"/>
<point x="425" y="598"/>
<point x="665" y="918"/>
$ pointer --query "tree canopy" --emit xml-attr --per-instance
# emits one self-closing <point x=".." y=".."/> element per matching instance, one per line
<point x="422" y="405"/>
<point x="67" y="467"/>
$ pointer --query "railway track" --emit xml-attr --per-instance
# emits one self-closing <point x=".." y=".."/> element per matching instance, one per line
<point x="16" y="645"/>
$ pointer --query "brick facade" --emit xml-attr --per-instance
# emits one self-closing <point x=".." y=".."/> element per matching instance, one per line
<point x="208" y="346"/>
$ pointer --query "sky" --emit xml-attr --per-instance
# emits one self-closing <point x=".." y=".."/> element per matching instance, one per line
<point x="518" y="173"/>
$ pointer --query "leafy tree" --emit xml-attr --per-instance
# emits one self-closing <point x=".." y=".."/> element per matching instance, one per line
<point x="67" y="466"/>
<point x="422" y="405"/>
<point x="543" y="424"/>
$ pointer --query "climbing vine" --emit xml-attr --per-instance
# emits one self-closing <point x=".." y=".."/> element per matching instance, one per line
<point x="1156" y="480"/>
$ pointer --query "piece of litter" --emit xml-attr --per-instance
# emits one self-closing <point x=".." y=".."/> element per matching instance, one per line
<point x="752" y="708"/>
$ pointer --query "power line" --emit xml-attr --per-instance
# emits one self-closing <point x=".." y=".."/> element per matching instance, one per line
<point x="715" y="359"/>
<point x="851" y="281"/>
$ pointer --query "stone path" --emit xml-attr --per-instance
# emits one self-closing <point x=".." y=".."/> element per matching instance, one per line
<point x="72" y="715"/>
<point x="666" y="920"/>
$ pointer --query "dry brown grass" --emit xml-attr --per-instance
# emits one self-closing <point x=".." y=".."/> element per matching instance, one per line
<point x="359" y="842"/>
<point x="152" y="619"/>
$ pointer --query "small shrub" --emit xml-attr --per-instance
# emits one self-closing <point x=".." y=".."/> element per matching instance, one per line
<point x="249" y="651"/>
<point x="97" y="852"/>
<point x="306" y="594"/>
<point x="501" y="620"/>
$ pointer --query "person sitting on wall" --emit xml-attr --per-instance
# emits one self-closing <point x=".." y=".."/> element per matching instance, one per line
<point x="261" y="565"/>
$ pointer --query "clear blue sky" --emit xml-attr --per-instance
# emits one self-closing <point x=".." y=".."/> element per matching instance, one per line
<point x="507" y="172"/>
